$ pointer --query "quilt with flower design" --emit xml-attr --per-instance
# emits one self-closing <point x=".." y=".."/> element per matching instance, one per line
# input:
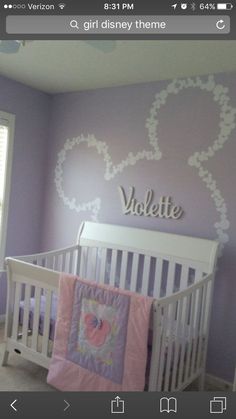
<point x="100" y="339"/>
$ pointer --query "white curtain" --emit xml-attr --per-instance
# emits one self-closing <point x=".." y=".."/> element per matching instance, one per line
<point x="3" y="157"/>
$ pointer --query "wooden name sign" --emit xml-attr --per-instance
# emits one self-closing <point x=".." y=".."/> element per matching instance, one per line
<point x="163" y="209"/>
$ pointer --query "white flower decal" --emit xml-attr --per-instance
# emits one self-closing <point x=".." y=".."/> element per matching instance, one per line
<point x="226" y="126"/>
<point x="111" y="170"/>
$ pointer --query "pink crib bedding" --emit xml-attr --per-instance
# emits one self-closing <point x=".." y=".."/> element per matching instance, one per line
<point x="53" y="323"/>
<point x="101" y="338"/>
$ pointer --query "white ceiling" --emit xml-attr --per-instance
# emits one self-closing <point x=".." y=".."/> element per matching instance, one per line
<point x="65" y="66"/>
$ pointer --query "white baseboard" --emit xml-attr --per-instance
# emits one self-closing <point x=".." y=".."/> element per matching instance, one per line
<point x="2" y="318"/>
<point x="218" y="383"/>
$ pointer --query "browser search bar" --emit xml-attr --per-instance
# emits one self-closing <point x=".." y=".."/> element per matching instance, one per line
<point x="117" y="25"/>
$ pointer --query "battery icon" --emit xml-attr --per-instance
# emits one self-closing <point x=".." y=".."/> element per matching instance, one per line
<point x="224" y="6"/>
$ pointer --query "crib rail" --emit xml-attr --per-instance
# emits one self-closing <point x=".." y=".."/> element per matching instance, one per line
<point x="150" y="275"/>
<point x="151" y="243"/>
<point x="180" y="325"/>
<point x="182" y="289"/>
<point x="180" y="334"/>
<point x="62" y="260"/>
<point x="26" y="334"/>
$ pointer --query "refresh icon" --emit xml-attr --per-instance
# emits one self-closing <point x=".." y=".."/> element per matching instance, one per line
<point x="220" y="24"/>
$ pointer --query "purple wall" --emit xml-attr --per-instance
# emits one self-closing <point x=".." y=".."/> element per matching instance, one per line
<point x="32" y="111"/>
<point x="188" y="122"/>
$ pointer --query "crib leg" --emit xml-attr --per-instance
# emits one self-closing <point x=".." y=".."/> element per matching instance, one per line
<point x="201" y="381"/>
<point x="234" y="385"/>
<point x="5" y="358"/>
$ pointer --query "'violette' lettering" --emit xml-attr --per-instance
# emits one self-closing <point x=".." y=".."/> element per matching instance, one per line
<point x="164" y="209"/>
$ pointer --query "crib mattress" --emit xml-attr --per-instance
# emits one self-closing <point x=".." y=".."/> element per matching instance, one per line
<point x="42" y="314"/>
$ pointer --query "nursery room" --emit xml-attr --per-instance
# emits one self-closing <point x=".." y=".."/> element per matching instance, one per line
<point x="117" y="215"/>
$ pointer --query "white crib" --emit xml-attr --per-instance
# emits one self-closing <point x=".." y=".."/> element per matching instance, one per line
<point x="178" y="271"/>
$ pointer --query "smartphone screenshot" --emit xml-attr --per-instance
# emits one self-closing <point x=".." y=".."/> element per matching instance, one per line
<point x="117" y="209"/>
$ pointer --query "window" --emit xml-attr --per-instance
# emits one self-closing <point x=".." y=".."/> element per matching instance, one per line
<point x="3" y="155"/>
<point x="6" y="149"/>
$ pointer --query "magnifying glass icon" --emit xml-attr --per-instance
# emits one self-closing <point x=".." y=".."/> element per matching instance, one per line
<point x="74" y="24"/>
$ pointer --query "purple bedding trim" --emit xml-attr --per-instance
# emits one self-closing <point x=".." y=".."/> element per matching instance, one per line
<point x="42" y="313"/>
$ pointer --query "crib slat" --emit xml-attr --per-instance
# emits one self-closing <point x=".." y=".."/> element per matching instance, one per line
<point x="113" y="267"/>
<point x="85" y="253"/>
<point x="63" y="262"/>
<point x="183" y="341"/>
<point x="49" y="262"/>
<point x="39" y="260"/>
<point x="98" y="265"/>
<point x="184" y="277"/>
<point x="26" y="314"/>
<point x="87" y="263"/>
<point x="163" y="348"/>
<point x="37" y="297"/>
<point x="199" y="294"/>
<point x="77" y="257"/>
<point x="202" y="336"/>
<point x="190" y="335"/>
<point x="66" y="267"/>
<point x="158" y="278"/>
<point x="70" y="262"/>
<point x="47" y="317"/>
<point x="186" y="340"/>
<point x="134" y="272"/>
<point x="156" y="345"/>
<point x="145" y="277"/>
<point x="183" y="285"/>
<point x="83" y="262"/>
<point x="54" y="263"/>
<point x="123" y="269"/>
<point x="172" y="309"/>
<point x="79" y="253"/>
<point x="198" y="275"/>
<point x="102" y="274"/>
<point x="170" y="278"/>
<point x="16" y="311"/>
<point x="91" y="263"/>
<point x="95" y="263"/>
<point x="208" y="301"/>
<point x="177" y="343"/>
<point x="60" y="257"/>
<point x="204" y="317"/>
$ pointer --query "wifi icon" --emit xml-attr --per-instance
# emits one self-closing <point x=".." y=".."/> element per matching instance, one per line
<point x="61" y="5"/>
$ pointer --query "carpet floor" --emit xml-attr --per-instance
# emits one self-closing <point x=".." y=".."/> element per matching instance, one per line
<point x="21" y="375"/>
